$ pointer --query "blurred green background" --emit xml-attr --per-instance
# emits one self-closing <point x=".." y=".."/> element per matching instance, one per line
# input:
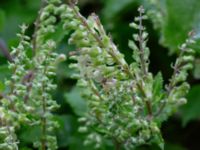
<point x="169" y="23"/>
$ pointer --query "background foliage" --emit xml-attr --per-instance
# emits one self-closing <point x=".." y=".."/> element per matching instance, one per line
<point x="169" y="23"/>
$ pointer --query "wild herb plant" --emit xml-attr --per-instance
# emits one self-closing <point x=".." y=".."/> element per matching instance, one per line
<point x="28" y="100"/>
<point x="126" y="103"/>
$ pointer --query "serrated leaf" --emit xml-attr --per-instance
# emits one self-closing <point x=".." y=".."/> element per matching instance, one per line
<point x="178" y="18"/>
<point x="191" y="110"/>
<point x="159" y="141"/>
<point x="68" y="125"/>
<point x="33" y="134"/>
<point x="158" y="86"/>
<point x="77" y="103"/>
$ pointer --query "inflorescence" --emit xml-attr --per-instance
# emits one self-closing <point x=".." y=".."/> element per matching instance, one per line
<point x="126" y="103"/>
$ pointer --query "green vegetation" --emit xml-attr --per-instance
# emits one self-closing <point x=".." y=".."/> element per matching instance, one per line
<point x="99" y="97"/>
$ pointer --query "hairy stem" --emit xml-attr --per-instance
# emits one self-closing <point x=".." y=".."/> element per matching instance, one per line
<point x="141" y="41"/>
<point x="171" y="85"/>
<point x="43" y="117"/>
<point x="37" y="26"/>
<point x="117" y="144"/>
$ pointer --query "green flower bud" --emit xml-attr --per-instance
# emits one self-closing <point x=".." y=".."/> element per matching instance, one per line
<point x="188" y="58"/>
<point x="82" y="129"/>
<point x="134" y="25"/>
<point x="44" y="15"/>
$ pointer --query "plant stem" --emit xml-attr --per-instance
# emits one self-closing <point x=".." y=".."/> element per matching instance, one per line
<point x="144" y="68"/>
<point x="43" y="122"/>
<point x="141" y="41"/>
<point x="171" y="85"/>
<point x="117" y="145"/>
<point x="43" y="118"/>
<point x="37" y="26"/>
<point x="43" y="141"/>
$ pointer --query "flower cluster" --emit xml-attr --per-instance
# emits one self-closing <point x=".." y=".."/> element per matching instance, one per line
<point x="13" y="103"/>
<point x="28" y="99"/>
<point x="126" y="103"/>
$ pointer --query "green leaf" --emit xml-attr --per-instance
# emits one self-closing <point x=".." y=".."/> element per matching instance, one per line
<point x="28" y="135"/>
<point x="59" y="34"/>
<point x="2" y="87"/>
<point x="15" y="15"/>
<point x="68" y="125"/>
<point x="191" y="110"/>
<point x="159" y="141"/>
<point x="76" y="102"/>
<point x="182" y="17"/>
<point x="158" y="86"/>
<point x="178" y="18"/>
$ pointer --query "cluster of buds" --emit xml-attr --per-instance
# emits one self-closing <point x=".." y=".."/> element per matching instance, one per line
<point x="28" y="99"/>
<point x="126" y="103"/>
